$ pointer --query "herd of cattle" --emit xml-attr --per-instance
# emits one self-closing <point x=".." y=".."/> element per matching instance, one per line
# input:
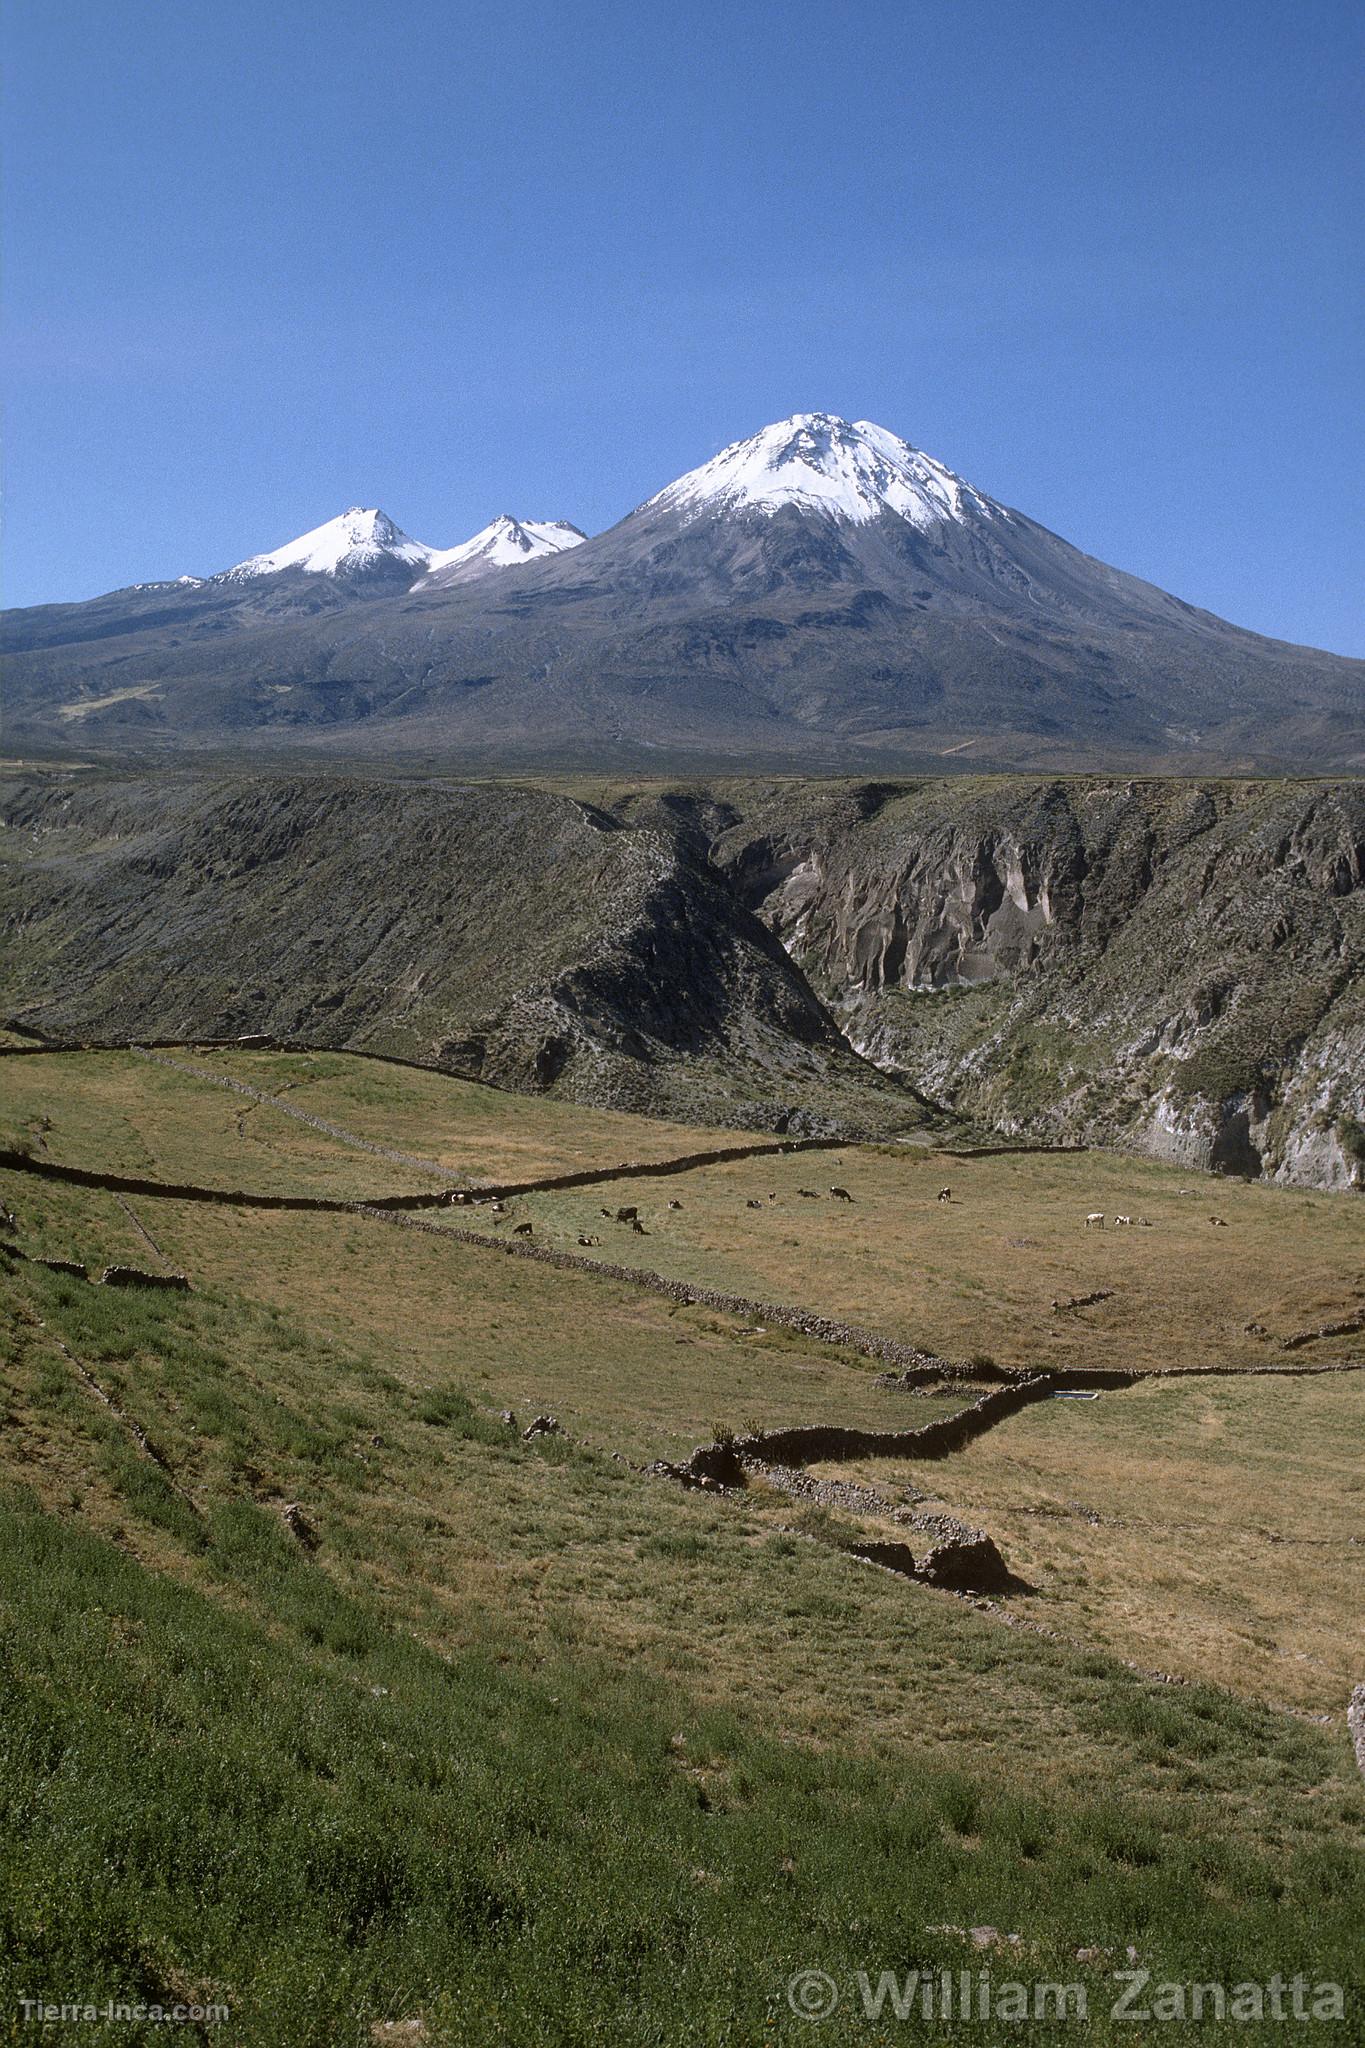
<point x="1095" y="1220"/>
<point x="628" y="1214"/>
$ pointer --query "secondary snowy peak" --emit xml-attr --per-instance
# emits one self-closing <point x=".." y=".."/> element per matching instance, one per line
<point x="505" y="543"/>
<point x="846" y="470"/>
<point x="361" y="540"/>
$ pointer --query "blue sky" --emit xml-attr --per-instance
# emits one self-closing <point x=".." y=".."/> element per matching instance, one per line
<point x="268" y="260"/>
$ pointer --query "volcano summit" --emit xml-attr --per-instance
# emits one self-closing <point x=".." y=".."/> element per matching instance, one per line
<point x="821" y="594"/>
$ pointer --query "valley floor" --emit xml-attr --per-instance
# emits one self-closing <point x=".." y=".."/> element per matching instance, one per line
<point x="340" y="1700"/>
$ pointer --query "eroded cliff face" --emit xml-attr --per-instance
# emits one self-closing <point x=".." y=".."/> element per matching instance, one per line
<point x="1176" y="967"/>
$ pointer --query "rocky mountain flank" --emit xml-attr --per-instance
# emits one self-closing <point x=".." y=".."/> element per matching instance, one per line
<point x="517" y="935"/>
<point x="1169" y="966"/>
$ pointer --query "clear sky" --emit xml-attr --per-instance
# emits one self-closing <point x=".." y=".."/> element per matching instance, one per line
<point x="268" y="259"/>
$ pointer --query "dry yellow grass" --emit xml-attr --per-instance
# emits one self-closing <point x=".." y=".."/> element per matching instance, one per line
<point x="623" y="1368"/>
<point x="979" y="1273"/>
<point x="121" y="1114"/>
<point x="482" y="1132"/>
<point x="132" y="1115"/>
<point x="469" y="1542"/>
<point x="1227" y="1509"/>
<point x="1208" y="1528"/>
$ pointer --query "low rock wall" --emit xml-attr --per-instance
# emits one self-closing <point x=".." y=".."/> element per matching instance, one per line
<point x="823" y="1328"/>
<point x="819" y="1441"/>
<point x="136" y="1276"/>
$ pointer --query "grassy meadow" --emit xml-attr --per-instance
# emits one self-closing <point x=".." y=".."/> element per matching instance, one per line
<point x="127" y="1114"/>
<point x="1210" y="1528"/>
<point x="510" y="1742"/>
<point x="980" y="1273"/>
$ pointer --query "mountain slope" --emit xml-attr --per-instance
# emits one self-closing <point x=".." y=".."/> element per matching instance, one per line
<point x="1175" y="967"/>
<point x="819" y="595"/>
<point x="822" y="464"/>
<point x="515" y="934"/>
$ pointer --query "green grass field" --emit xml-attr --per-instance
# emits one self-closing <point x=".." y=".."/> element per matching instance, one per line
<point x="520" y="1744"/>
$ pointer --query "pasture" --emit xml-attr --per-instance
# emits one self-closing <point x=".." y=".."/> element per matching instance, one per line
<point x="510" y="1736"/>
<point x="978" y="1274"/>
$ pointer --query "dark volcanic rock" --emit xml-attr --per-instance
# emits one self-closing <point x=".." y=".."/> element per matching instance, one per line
<point x="967" y="1565"/>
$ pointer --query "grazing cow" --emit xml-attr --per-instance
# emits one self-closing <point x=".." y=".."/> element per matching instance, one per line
<point x="752" y="1204"/>
<point x="675" y="1205"/>
<point x="1120" y="1220"/>
<point x="1095" y="1220"/>
<point x="945" y="1194"/>
<point x="638" y="1227"/>
<point x="631" y="1215"/>
<point x="522" y="1230"/>
<point x="841" y="1194"/>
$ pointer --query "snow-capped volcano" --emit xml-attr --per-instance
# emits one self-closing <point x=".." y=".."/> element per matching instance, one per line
<point x="358" y="543"/>
<point x="819" y="593"/>
<point x="365" y="548"/>
<point x="502" y="545"/>
<point x="847" y="470"/>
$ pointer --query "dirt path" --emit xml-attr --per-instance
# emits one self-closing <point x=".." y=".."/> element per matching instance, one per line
<point x="143" y="1232"/>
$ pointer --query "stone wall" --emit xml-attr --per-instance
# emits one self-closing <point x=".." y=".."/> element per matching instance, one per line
<point x="805" y="1445"/>
<point x="825" y="1329"/>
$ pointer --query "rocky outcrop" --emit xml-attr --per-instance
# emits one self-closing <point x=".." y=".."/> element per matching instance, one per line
<point x="805" y="1445"/>
<point x="516" y="936"/>
<point x="135" y="1276"/>
<point x="962" y="1560"/>
<point x="970" y="1564"/>
<point x="1344" y="1326"/>
<point x="1172" y="967"/>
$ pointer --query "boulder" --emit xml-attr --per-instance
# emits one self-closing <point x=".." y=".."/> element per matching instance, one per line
<point x="969" y="1564"/>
